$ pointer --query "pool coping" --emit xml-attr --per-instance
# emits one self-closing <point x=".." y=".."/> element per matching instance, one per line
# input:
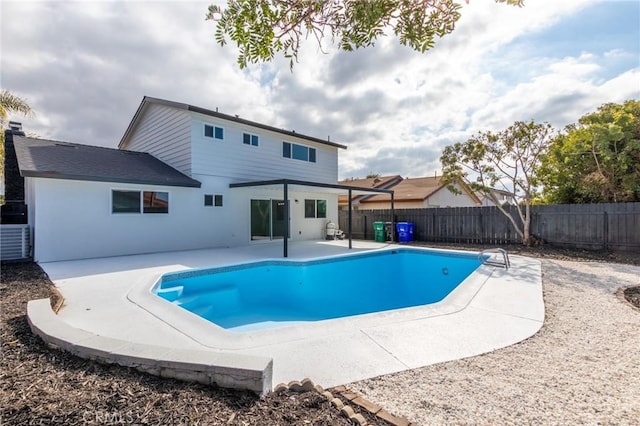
<point x="213" y="336"/>
<point x="505" y="308"/>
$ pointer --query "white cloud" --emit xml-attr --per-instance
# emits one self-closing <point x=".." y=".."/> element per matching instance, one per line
<point x="85" y="67"/>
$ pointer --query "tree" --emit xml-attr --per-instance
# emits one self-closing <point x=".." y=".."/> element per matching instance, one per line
<point x="10" y="103"/>
<point x="507" y="160"/>
<point x="262" y="28"/>
<point x="596" y="160"/>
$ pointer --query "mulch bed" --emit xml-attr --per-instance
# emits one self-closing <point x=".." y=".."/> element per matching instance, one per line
<point x="632" y="294"/>
<point x="39" y="385"/>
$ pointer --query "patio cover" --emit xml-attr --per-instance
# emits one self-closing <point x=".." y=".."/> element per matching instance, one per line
<point x="328" y="187"/>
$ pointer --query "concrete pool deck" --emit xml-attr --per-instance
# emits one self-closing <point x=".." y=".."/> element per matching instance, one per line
<point x="501" y="309"/>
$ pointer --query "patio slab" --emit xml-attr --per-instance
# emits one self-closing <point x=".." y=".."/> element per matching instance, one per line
<point x="500" y="309"/>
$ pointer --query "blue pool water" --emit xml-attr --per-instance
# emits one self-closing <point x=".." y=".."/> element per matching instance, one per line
<point x="275" y="293"/>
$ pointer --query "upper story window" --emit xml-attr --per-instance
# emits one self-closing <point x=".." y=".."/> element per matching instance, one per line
<point x="298" y="152"/>
<point x="249" y="139"/>
<point x="213" y="132"/>
<point x="139" y="202"/>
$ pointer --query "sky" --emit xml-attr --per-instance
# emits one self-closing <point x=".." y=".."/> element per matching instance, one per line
<point x="84" y="68"/>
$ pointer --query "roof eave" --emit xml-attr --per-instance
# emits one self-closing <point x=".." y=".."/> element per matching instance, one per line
<point x="62" y="176"/>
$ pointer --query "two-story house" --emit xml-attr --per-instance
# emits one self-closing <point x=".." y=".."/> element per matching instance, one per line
<point x="183" y="178"/>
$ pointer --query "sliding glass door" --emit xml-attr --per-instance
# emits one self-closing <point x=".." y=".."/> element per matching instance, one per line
<point x="268" y="220"/>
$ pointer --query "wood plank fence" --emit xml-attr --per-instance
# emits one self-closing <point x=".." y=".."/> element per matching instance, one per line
<point x="585" y="226"/>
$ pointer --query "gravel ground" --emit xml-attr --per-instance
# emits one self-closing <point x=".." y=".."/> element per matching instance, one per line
<point x="583" y="367"/>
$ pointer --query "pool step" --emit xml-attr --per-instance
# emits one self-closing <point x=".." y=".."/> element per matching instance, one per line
<point x="170" y="293"/>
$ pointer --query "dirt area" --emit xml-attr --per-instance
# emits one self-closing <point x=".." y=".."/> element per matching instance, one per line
<point x="550" y="252"/>
<point x="40" y="385"/>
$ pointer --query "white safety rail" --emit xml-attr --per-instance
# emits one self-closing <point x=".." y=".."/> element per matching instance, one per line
<point x="497" y="257"/>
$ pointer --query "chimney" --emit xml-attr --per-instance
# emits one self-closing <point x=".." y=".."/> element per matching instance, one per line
<point x="13" y="181"/>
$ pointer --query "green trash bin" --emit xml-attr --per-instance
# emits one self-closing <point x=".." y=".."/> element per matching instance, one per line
<point x="379" y="232"/>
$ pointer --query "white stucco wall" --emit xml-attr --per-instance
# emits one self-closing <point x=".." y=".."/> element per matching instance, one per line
<point x="300" y="228"/>
<point x="74" y="220"/>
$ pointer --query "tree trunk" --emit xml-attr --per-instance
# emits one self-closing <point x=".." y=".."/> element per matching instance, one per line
<point x="526" y="234"/>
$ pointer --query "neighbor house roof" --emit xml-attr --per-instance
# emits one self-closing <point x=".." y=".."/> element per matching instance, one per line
<point x="418" y="189"/>
<point x="373" y="182"/>
<point x="149" y="100"/>
<point x="381" y="182"/>
<point x="63" y="160"/>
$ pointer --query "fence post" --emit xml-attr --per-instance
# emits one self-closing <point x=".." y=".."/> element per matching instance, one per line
<point x="365" y="226"/>
<point x="605" y="230"/>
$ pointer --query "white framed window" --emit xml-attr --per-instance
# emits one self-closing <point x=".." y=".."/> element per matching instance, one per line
<point x="125" y="201"/>
<point x="298" y="152"/>
<point x="136" y="201"/>
<point x="315" y="209"/>
<point x="213" y="132"/>
<point x="211" y="200"/>
<point x="250" y="139"/>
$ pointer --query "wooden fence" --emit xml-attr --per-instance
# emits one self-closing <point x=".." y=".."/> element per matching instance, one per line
<point x="585" y="226"/>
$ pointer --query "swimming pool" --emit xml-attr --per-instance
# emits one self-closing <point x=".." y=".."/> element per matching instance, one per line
<point x="276" y="293"/>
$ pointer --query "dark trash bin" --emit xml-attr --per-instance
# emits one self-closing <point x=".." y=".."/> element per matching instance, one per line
<point x="405" y="232"/>
<point x="388" y="230"/>
<point x="379" y="232"/>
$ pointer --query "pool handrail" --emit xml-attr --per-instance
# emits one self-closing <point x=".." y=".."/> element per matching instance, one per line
<point x="505" y="263"/>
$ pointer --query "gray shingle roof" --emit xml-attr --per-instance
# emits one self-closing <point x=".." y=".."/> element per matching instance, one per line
<point x="62" y="160"/>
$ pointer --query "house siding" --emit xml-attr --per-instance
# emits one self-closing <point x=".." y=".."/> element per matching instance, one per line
<point x="232" y="159"/>
<point x="164" y="132"/>
<point x="445" y="198"/>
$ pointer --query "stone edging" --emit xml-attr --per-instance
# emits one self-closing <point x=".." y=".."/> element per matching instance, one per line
<point x="306" y="385"/>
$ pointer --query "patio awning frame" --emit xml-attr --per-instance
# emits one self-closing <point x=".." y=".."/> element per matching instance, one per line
<point x="286" y="183"/>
